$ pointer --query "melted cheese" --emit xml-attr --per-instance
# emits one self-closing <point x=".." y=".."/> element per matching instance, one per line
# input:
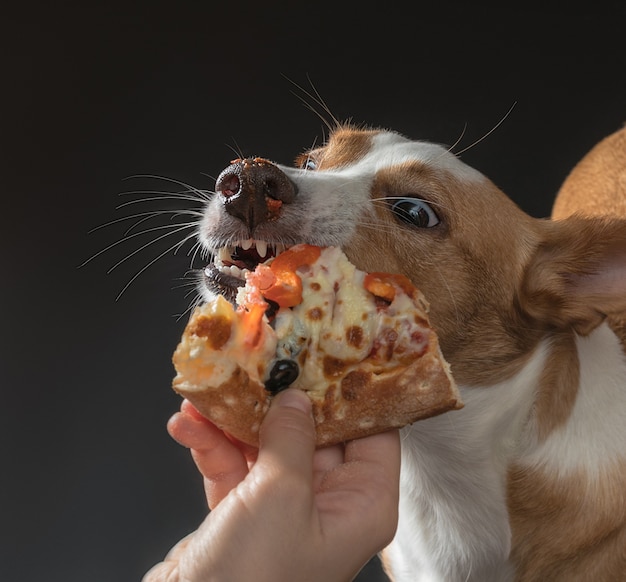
<point x="201" y="365"/>
<point x="338" y="325"/>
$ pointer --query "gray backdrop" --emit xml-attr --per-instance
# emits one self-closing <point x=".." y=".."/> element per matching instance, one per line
<point x="93" y="489"/>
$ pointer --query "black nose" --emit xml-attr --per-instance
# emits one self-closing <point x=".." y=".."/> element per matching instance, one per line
<point x="254" y="191"/>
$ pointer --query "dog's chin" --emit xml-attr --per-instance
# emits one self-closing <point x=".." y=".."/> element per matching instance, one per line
<point x="215" y="282"/>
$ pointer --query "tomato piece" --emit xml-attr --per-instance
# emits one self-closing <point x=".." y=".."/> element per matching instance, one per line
<point x="287" y="291"/>
<point x="279" y="282"/>
<point x="384" y="285"/>
<point x="296" y="256"/>
<point x="251" y="317"/>
<point x="262" y="278"/>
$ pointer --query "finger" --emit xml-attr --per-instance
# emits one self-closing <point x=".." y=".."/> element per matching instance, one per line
<point x="327" y="458"/>
<point x="373" y="464"/>
<point x="248" y="451"/>
<point x="189" y="408"/>
<point x="382" y="449"/>
<point x="364" y="490"/>
<point x="375" y="460"/>
<point x="192" y="432"/>
<point x="287" y="436"/>
<point x="324" y="461"/>
<point x="369" y="476"/>
<point x="371" y="467"/>
<point x="221" y="463"/>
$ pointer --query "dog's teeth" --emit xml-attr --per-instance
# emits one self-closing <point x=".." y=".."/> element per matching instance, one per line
<point x="246" y="244"/>
<point x="222" y="256"/>
<point x="261" y="248"/>
<point x="234" y="271"/>
<point x="279" y="248"/>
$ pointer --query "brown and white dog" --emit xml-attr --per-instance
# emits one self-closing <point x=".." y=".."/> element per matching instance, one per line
<point x="528" y="480"/>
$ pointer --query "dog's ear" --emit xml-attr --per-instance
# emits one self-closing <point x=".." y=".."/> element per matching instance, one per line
<point x="577" y="275"/>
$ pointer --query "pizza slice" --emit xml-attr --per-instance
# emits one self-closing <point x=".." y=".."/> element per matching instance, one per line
<point x="360" y="345"/>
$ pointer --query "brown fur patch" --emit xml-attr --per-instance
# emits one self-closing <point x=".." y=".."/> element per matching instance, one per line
<point x="618" y="325"/>
<point x="558" y="385"/>
<point x="346" y="146"/>
<point x="569" y="282"/>
<point x="597" y="185"/>
<point x="470" y="279"/>
<point x="570" y="529"/>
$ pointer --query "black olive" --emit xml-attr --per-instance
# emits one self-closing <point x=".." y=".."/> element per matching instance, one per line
<point x="283" y="373"/>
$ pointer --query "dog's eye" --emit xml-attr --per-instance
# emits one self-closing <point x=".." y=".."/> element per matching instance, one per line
<point x="415" y="212"/>
<point x="309" y="164"/>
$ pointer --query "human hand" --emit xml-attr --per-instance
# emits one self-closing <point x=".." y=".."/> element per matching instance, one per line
<point x="288" y="512"/>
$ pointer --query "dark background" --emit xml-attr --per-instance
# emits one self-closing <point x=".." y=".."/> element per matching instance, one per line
<point x="93" y="489"/>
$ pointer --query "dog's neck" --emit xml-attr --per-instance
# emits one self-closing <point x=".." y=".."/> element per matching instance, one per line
<point x="469" y="480"/>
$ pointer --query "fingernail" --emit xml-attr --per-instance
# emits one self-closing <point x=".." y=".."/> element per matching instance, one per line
<point x="294" y="398"/>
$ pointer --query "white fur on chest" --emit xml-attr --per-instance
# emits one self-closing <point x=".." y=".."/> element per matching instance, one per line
<point x="595" y="434"/>
<point x="453" y="517"/>
<point x="454" y="524"/>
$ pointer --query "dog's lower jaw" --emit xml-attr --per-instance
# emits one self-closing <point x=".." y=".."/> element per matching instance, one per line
<point x="454" y="523"/>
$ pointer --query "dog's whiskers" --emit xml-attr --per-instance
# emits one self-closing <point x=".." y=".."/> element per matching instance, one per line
<point x="156" y="240"/>
<point x="158" y="196"/>
<point x="496" y="126"/>
<point x="157" y="226"/>
<point x="318" y="101"/>
<point x="177" y="227"/>
<point x="237" y="150"/>
<point x="144" y="217"/>
<point x="201" y="195"/>
<point x="173" y="248"/>
<point x="458" y="140"/>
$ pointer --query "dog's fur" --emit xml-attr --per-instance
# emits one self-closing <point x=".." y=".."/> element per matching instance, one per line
<point x="528" y="480"/>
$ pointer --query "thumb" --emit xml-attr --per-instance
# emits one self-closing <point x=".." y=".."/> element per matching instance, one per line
<point x="287" y="436"/>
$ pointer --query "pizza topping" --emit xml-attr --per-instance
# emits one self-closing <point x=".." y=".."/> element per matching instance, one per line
<point x="252" y="320"/>
<point x="384" y="285"/>
<point x="342" y="316"/>
<point x="309" y="319"/>
<point x="321" y="331"/>
<point x="280" y="282"/>
<point x="298" y="256"/>
<point x="282" y="374"/>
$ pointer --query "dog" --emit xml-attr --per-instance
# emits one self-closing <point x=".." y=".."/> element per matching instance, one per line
<point x="528" y="481"/>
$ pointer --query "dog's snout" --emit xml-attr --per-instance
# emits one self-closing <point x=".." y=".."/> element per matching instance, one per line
<point x="254" y="191"/>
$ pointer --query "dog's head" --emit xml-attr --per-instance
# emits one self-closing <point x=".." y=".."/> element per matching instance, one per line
<point x="497" y="279"/>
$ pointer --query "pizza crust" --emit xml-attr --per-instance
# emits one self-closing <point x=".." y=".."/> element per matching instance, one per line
<point x="364" y="403"/>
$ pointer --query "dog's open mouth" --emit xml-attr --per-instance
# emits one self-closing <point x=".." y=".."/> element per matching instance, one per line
<point x="228" y="270"/>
